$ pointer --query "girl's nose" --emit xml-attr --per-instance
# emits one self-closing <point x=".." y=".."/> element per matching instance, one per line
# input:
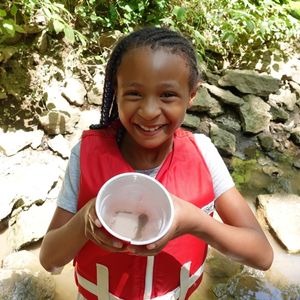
<point x="149" y="109"/>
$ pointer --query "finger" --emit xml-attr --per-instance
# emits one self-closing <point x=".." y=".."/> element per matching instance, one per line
<point x="102" y="238"/>
<point x="151" y="246"/>
<point x="93" y="216"/>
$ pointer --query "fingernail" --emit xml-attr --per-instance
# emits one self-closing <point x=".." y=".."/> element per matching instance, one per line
<point x="117" y="244"/>
<point x="97" y="223"/>
<point x="151" y="246"/>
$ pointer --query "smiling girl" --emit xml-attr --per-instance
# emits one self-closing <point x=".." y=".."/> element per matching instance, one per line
<point x="151" y="79"/>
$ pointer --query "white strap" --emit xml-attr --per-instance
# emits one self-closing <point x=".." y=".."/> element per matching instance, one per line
<point x="185" y="283"/>
<point x="101" y="290"/>
<point x="149" y="277"/>
<point x="102" y="282"/>
<point x="184" y="280"/>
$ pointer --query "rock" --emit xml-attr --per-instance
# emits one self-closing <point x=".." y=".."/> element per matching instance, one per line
<point x="295" y="87"/>
<point x="205" y="103"/>
<point x="295" y="135"/>
<point x="26" y="178"/>
<point x="250" y="82"/>
<point x="74" y="91"/>
<point x="191" y="121"/>
<point x="225" y="96"/>
<point x="212" y="78"/>
<point x="87" y="118"/>
<point x="296" y="163"/>
<point x="59" y="122"/>
<point x="296" y="76"/>
<point x="12" y="142"/>
<point x="61" y="145"/>
<point x="94" y="94"/>
<point x="272" y="171"/>
<point x="223" y="140"/>
<point x="229" y="122"/>
<point x="266" y="141"/>
<point x="54" y="99"/>
<point x="255" y="114"/>
<point x="41" y="42"/>
<point x="278" y="113"/>
<point x="29" y="225"/>
<point x="22" y="277"/>
<point x="282" y="213"/>
<point x="284" y="97"/>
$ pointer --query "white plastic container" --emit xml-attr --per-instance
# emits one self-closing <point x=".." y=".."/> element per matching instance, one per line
<point x="135" y="208"/>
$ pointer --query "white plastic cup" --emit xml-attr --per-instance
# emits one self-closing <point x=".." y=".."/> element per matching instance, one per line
<point x="135" y="208"/>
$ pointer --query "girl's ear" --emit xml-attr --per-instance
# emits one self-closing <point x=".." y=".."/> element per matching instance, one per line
<point x="194" y="93"/>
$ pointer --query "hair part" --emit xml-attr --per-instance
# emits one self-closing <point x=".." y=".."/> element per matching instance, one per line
<point x="154" y="38"/>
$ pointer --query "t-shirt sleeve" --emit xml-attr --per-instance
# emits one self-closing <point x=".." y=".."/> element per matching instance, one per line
<point x="68" y="195"/>
<point x="222" y="180"/>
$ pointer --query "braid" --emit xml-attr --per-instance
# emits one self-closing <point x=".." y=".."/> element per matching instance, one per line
<point x="154" y="38"/>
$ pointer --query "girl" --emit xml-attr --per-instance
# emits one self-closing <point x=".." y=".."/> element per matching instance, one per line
<point x="151" y="79"/>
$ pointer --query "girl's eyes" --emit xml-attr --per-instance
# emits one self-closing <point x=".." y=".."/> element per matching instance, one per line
<point x="165" y="96"/>
<point x="132" y="94"/>
<point x="168" y="94"/>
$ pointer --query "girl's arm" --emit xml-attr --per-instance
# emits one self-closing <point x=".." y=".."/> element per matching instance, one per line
<point x="68" y="233"/>
<point x="240" y="236"/>
<point x="63" y="240"/>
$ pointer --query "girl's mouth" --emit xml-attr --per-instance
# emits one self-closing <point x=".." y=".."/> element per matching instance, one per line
<point x="150" y="129"/>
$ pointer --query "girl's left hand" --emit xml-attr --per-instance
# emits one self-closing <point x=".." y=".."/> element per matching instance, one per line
<point x="182" y="224"/>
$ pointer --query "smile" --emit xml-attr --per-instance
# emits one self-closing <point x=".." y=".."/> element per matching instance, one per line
<point x="150" y="129"/>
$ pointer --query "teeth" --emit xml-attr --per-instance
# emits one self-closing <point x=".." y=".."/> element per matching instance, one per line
<point x="150" y="129"/>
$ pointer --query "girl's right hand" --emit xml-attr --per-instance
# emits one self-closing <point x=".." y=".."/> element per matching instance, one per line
<point x="95" y="232"/>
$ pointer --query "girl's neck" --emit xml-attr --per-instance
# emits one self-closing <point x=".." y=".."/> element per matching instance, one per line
<point x="142" y="158"/>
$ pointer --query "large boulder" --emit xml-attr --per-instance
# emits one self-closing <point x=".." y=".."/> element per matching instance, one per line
<point x="282" y="213"/>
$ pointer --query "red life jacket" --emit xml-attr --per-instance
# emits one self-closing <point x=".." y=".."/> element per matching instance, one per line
<point x="177" y="270"/>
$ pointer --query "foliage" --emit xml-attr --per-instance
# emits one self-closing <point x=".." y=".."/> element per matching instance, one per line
<point x="233" y="29"/>
<point x="220" y="30"/>
<point x="15" y="15"/>
<point x="121" y="15"/>
<point x="8" y="22"/>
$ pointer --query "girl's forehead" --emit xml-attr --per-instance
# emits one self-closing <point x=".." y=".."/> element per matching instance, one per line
<point x="152" y="67"/>
<point x="161" y="52"/>
<point x="152" y="49"/>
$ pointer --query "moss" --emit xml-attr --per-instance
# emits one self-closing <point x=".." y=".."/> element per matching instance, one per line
<point x="242" y="170"/>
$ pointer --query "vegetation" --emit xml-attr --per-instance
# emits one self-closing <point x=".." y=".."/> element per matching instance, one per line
<point x="220" y="30"/>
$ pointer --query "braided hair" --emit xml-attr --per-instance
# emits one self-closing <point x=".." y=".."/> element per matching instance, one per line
<point x="154" y="38"/>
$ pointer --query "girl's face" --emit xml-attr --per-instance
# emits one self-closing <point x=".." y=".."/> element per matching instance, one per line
<point x="152" y="95"/>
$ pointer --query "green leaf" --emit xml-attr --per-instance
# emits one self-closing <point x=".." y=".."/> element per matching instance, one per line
<point x="229" y="37"/>
<point x="2" y="13"/>
<point x="19" y="29"/>
<point x="127" y="8"/>
<point x="69" y="34"/>
<point x="13" y="10"/>
<point x="58" y="26"/>
<point x="179" y="12"/>
<point x="81" y="38"/>
<point x="47" y="13"/>
<point x="9" y="26"/>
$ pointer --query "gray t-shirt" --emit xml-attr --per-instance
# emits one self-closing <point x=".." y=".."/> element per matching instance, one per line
<point x="222" y="181"/>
